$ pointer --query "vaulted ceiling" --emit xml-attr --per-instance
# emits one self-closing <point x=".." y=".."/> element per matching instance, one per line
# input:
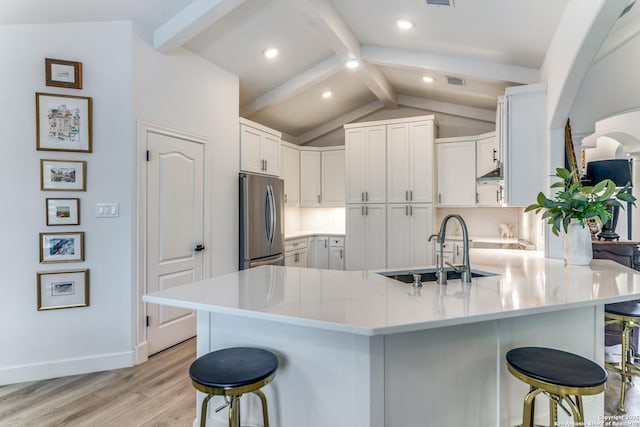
<point x="486" y="44"/>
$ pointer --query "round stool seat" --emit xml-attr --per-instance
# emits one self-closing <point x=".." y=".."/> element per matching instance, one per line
<point x="626" y="309"/>
<point x="233" y="367"/>
<point x="556" y="367"/>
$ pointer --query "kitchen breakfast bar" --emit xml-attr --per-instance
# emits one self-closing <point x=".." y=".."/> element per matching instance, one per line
<point x="359" y="349"/>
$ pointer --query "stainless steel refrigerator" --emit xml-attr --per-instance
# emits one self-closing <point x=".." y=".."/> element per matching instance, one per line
<point x="261" y="221"/>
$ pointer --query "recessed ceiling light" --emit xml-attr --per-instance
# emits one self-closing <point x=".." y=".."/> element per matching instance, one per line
<point x="404" y="24"/>
<point x="270" y="52"/>
<point x="352" y="63"/>
<point x="428" y="79"/>
<point x="327" y="94"/>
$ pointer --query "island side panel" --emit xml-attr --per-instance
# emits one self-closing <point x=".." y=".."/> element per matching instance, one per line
<point x="579" y="331"/>
<point x="325" y="378"/>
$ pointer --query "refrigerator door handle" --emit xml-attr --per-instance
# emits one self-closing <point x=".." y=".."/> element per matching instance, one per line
<point x="272" y="214"/>
<point x="267" y="215"/>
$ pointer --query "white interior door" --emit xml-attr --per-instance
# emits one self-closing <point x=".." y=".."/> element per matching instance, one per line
<point x="174" y="231"/>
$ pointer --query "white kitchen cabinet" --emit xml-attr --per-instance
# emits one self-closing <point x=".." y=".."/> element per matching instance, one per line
<point x="336" y="253"/>
<point x="259" y="148"/>
<point x="295" y="254"/>
<point x="319" y="252"/>
<point x="452" y="252"/>
<point x="410" y="162"/>
<point x="365" y="156"/>
<point x="322" y="178"/>
<point x="365" y="241"/>
<point x="522" y="135"/>
<point x="490" y="193"/>
<point x="488" y="155"/>
<point x="310" y="180"/>
<point x="408" y="230"/>
<point x="332" y="177"/>
<point x="291" y="175"/>
<point x="456" y="172"/>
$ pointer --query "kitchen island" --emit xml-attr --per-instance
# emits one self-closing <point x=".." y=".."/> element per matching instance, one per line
<point x="360" y="349"/>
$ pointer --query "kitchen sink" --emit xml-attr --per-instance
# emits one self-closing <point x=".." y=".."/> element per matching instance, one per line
<point x="429" y="275"/>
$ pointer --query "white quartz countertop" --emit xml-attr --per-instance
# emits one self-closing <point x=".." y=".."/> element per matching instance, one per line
<point x="366" y="303"/>
<point x="303" y="233"/>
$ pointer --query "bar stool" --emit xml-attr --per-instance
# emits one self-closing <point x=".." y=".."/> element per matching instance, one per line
<point x="559" y="375"/>
<point x="232" y="372"/>
<point x="627" y="316"/>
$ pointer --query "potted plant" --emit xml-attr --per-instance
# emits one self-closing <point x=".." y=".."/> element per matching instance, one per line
<point x="575" y="204"/>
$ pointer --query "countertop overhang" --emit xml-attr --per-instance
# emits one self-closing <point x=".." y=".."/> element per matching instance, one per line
<point x="366" y="303"/>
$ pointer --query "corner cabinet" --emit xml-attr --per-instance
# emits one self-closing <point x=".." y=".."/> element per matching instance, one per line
<point x="291" y="175"/>
<point x="322" y="177"/>
<point x="259" y="148"/>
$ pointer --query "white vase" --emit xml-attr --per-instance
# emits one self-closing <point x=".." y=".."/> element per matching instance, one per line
<point x="577" y="244"/>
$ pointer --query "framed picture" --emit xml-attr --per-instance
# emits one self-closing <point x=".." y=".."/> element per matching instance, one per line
<point x="63" y="175"/>
<point x="63" y="289"/>
<point x="61" y="73"/>
<point x="63" y="211"/>
<point x="63" y="123"/>
<point x="61" y="247"/>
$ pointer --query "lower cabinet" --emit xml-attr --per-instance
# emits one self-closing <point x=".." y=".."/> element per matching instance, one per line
<point x="295" y="254"/>
<point x="336" y="253"/>
<point x="408" y="229"/>
<point x="365" y="241"/>
<point x="319" y="252"/>
<point x="452" y="252"/>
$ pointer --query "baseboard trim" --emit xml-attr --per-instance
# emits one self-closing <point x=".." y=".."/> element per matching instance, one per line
<point x="142" y="352"/>
<point x="66" y="367"/>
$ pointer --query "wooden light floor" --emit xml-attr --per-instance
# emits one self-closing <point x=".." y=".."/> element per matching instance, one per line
<point x="157" y="393"/>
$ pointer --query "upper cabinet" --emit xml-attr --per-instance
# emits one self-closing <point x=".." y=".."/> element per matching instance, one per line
<point x="259" y="148"/>
<point x="314" y="176"/>
<point x="489" y="187"/>
<point x="365" y="153"/>
<point x="456" y="171"/>
<point x="291" y="175"/>
<point x="521" y="129"/>
<point x="488" y="154"/>
<point x="410" y="162"/>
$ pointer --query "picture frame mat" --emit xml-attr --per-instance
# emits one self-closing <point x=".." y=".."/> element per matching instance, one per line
<point x="61" y="211"/>
<point x="62" y="289"/>
<point x="61" y="247"/>
<point x="63" y="182"/>
<point x="63" y="73"/>
<point x="63" y="123"/>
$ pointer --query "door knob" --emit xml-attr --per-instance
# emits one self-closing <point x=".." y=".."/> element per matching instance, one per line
<point x="199" y="248"/>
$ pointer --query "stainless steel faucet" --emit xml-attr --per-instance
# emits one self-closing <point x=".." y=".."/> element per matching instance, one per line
<point x="465" y="268"/>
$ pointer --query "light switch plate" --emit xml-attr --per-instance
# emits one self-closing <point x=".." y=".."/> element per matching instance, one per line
<point x="107" y="210"/>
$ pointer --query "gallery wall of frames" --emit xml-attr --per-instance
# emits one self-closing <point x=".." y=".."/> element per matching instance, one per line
<point x="63" y="125"/>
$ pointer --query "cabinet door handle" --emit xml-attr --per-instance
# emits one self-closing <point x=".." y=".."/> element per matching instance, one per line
<point x="439" y="198"/>
<point x="265" y="165"/>
<point x="362" y="210"/>
<point x="362" y="197"/>
<point x="285" y="198"/>
<point x="498" y="196"/>
<point x="366" y="196"/>
<point x="325" y="244"/>
<point x="319" y="198"/>
<point x="495" y="159"/>
<point x="366" y="210"/>
<point x="411" y="210"/>
<point x="406" y="210"/>
<point x="341" y="253"/>
<point x="296" y="257"/>
<point x="406" y="195"/>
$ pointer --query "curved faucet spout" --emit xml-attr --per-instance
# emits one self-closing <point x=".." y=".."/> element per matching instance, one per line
<point x="465" y="268"/>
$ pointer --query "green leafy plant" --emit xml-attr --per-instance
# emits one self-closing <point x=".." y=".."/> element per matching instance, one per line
<point x="580" y="202"/>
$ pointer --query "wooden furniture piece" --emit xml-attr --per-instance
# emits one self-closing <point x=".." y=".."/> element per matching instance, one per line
<point x="563" y="377"/>
<point x="232" y="372"/>
<point x="624" y="252"/>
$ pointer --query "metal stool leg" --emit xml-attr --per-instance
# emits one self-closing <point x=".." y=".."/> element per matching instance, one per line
<point x="623" y="364"/>
<point x="265" y="413"/>
<point x="234" y="411"/>
<point x="529" y="407"/>
<point x="553" y="413"/>
<point x="203" y="411"/>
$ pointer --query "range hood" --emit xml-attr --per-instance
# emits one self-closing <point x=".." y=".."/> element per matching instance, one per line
<point x="494" y="175"/>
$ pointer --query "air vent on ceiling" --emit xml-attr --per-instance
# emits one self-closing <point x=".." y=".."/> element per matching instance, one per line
<point x="457" y="81"/>
<point x="446" y="3"/>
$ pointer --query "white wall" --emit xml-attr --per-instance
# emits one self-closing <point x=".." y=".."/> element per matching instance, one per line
<point x="39" y="344"/>
<point x="126" y="80"/>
